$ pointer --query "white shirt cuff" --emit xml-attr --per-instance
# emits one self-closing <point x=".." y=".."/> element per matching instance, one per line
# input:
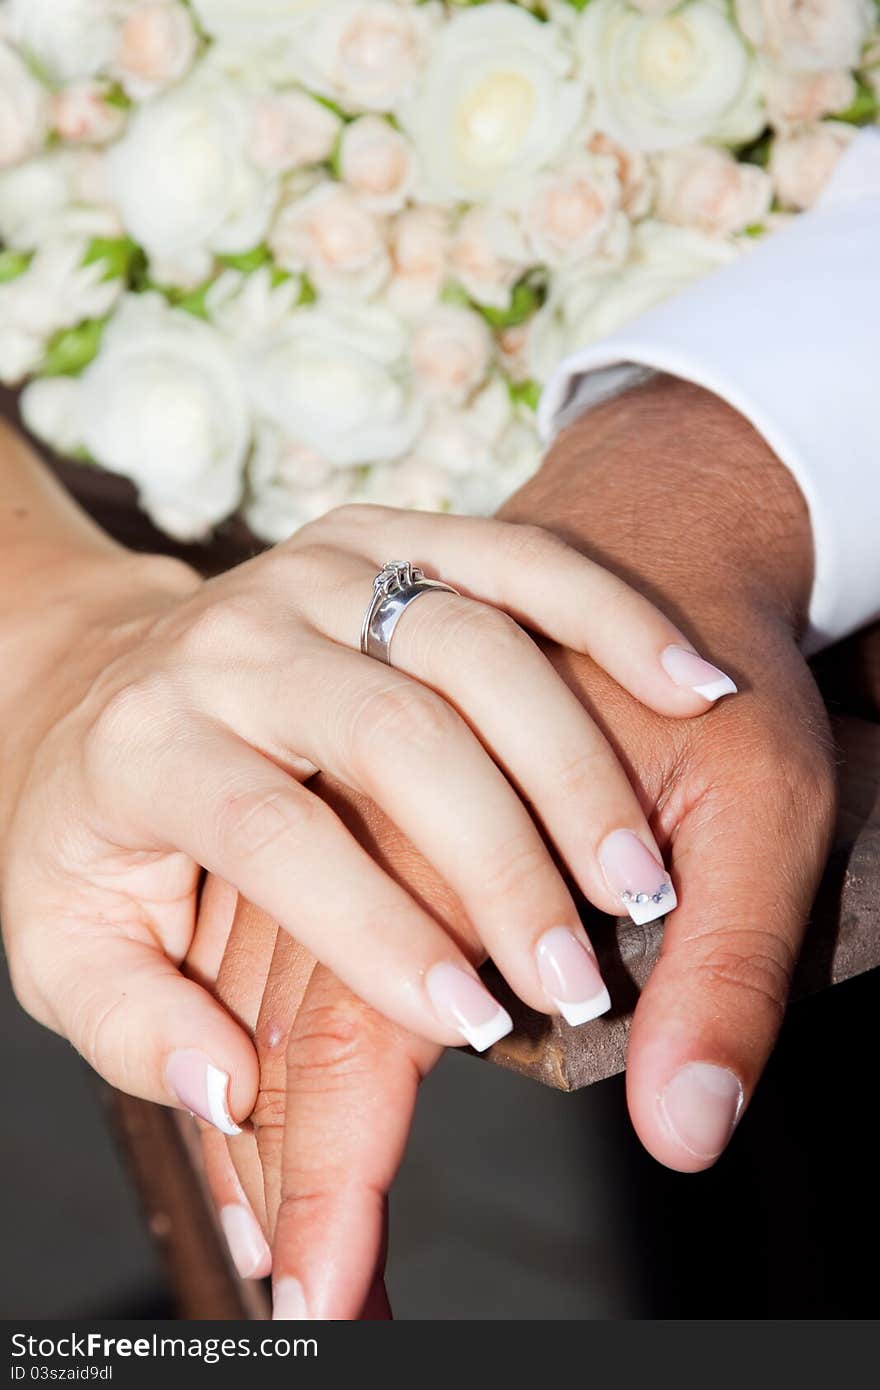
<point x="788" y="337"/>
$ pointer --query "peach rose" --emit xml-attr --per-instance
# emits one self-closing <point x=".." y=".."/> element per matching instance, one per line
<point x="706" y="188"/>
<point x="377" y="163"/>
<point x="633" y="174"/>
<point x="807" y="37"/>
<point x="800" y="98"/>
<point x="157" y="45"/>
<point x="331" y="236"/>
<point x="419" y="257"/>
<point x="291" y="131"/>
<point x="82" y="115"/>
<point x="801" y="164"/>
<point x="450" y="353"/>
<point x="573" y="213"/>
<point x="489" y="254"/>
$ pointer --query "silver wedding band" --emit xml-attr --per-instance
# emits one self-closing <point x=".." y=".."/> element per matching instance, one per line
<point x="395" y="587"/>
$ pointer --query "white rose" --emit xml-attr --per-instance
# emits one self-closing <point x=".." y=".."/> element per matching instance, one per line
<point x="419" y="256"/>
<point x="82" y="115"/>
<point x="807" y="37"/>
<point x="706" y="188"/>
<point x="654" y="7"/>
<point x="489" y="254"/>
<point x="495" y="104"/>
<point x="800" y="98"/>
<point x="330" y="235"/>
<point x="365" y="54"/>
<point x="55" y="292"/>
<point x="465" y="460"/>
<point x="291" y="485"/>
<point x="257" y="38"/>
<point x="250" y="307"/>
<point x="581" y="309"/>
<point x="335" y="378"/>
<point x="377" y="163"/>
<point x="672" y="80"/>
<point x="573" y="213"/>
<point x="801" y="164"/>
<point x="291" y="131"/>
<point x="157" y="45"/>
<point x="50" y="410"/>
<point x="182" y="177"/>
<point x="451" y="349"/>
<point x="50" y="196"/>
<point x="68" y="38"/>
<point x="23" y="109"/>
<point x="459" y="440"/>
<point x="163" y="403"/>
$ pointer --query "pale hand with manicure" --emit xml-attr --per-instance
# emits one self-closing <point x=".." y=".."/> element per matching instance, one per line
<point x="155" y="724"/>
<point x="744" y="801"/>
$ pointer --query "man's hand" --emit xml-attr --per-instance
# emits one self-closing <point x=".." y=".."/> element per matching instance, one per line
<point x="674" y="490"/>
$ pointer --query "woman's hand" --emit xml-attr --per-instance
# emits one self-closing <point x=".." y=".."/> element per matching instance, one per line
<point x="178" y="732"/>
<point x="745" y="802"/>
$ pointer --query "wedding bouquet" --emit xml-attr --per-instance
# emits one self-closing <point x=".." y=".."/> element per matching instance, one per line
<point x="281" y="254"/>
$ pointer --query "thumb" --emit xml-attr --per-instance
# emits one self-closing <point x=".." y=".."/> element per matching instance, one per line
<point x="150" y="1031"/>
<point x="747" y="858"/>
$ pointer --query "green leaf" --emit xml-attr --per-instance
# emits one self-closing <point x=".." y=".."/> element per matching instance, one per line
<point x="526" y="298"/>
<point x="117" y="96"/>
<point x="13" y="264"/>
<point x="123" y="257"/>
<point x="193" y="301"/>
<point x="248" y="261"/>
<point x="527" y="393"/>
<point x="864" y="107"/>
<point x="756" y="152"/>
<point x="71" y="350"/>
<point x="453" y="293"/>
<point x="307" y="293"/>
<point x="331" y="106"/>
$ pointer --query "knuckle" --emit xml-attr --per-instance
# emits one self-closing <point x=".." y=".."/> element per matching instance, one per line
<point x="270" y="1110"/>
<point x="260" y="821"/>
<point x="753" y="967"/>
<point x="123" y="716"/>
<point x="497" y="635"/>
<point x="308" y="562"/>
<point x="356" y="514"/>
<point x="224" y="624"/>
<point x="529" y="544"/>
<point x="404" y="717"/>
<point x="334" y="1047"/>
<point x="511" y="869"/>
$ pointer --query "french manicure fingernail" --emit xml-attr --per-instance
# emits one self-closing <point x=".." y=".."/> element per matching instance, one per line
<point x="636" y="876"/>
<point x="464" y="1003"/>
<point x="570" y="976"/>
<point x="701" y="1106"/>
<point x="201" y="1088"/>
<point x="289" y="1301"/>
<point x="247" y="1244"/>
<point x="687" y="669"/>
